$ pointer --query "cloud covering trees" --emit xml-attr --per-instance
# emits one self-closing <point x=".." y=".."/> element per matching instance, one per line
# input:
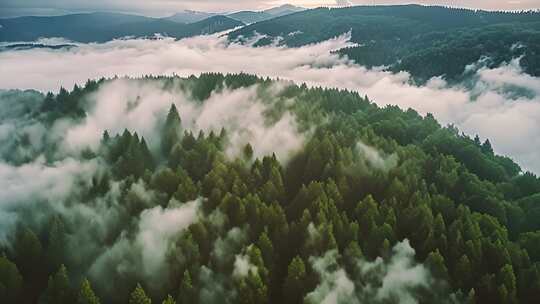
<point x="497" y="103"/>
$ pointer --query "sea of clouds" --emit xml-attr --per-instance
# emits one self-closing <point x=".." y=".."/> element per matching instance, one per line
<point x="487" y="106"/>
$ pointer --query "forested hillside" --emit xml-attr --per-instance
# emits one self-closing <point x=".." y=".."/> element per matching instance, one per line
<point x="257" y="16"/>
<point x="426" y="41"/>
<point x="102" y="27"/>
<point x="375" y="205"/>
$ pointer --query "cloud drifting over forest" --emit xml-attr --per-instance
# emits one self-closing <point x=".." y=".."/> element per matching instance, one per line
<point x="488" y="107"/>
<point x="378" y="281"/>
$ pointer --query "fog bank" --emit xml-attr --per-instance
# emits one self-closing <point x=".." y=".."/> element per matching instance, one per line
<point x="489" y="106"/>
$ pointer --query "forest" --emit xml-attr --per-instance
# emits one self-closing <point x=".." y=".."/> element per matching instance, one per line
<point x="104" y="26"/>
<point x="425" y="41"/>
<point x="377" y="205"/>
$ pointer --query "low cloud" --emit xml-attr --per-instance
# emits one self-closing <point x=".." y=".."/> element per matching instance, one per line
<point x="502" y="104"/>
<point x="143" y="254"/>
<point x="396" y="279"/>
<point x="243" y="266"/>
<point x="157" y="226"/>
<point x="38" y="186"/>
<point x="216" y="286"/>
<point x="375" y="158"/>
<point x="241" y="112"/>
<point x="141" y="106"/>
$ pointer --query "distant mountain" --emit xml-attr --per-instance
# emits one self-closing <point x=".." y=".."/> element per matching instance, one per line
<point x="250" y="16"/>
<point x="283" y="10"/>
<point x="100" y="27"/>
<point x="414" y="38"/>
<point x="28" y="46"/>
<point x="253" y="16"/>
<point x="189" y="16"/>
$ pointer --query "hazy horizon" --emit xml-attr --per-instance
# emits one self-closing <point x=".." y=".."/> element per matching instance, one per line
<point x="160" y="8"/>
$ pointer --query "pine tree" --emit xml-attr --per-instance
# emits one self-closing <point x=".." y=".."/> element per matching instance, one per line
<point x="55" y="248"/>
<point x="58" y="289"/>
<point x="248" y="151"/>
<point x="169" y="300"/>
<point x="486" y="147"/>
<point x="477" y="141"/>
<point x="295" y="281"/>
<point x="171" y="130"/>
<point x="138" y="296"/>
<point x="28" y="251"/>
<point x="186" y="292"/>
<point x="106" y="137"/>
<point x="11" y="281"/>
<point x="86" y="294"/>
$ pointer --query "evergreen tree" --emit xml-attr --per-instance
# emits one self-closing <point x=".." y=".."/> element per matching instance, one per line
<point x="86" y="294"/>
<point x="171" y="130"/>
<point x="29" y="252"/>
<point x="58" y="289"/>
<point x="56" y="246"/>
<point x="186" y="292"/>
<point x="248" y="151"/>
<point x="169" y="300"/>
<point x="294" y="287"/>
<point x="11" y="281"/>
<point x="138" y="296"/>
<point x="486" y="147"/>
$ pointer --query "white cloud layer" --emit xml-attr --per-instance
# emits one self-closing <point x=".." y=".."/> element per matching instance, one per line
<point x="394" y="280"/>
<point x="375" y="158"/>
<point x="512" y="123"/>
<point x="142" y="107"/>
<point x="39" y="185"/>
<point x="488" y="109"/>
<point x="156" y="228"/>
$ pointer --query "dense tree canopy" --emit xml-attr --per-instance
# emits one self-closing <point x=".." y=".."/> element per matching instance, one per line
<point x="366" y="180"/>
<point x="426" y="41"/>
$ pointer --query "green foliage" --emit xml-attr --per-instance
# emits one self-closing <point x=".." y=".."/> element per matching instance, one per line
<point x="11" y="281"/>
<point x="413" y="38"/>
<point x="29" y="251"/>
<point x="295" y="282"/>
<point x="58" y="289"/>
<point x="171" y="131"/>
<point x="138" y="296"/>
<point x="86" y="294"/>
<point x="168" y="300"/>
<point x="102" y="27"/>
<point x="186" y="292"/>
<point x="471" y="216"/>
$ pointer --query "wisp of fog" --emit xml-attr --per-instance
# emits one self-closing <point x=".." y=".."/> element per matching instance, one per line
<point x="488" y="105"/>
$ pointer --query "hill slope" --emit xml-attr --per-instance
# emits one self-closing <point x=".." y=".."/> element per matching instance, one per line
<point x="395" y="35"/>
<point x="189" y="16"/>
<point x="253" y="16"/>
<point x="100" y="27"/>
<point x="202" y="199"/>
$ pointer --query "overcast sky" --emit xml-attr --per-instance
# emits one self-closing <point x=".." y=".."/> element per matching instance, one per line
<point x="165" y="7"/>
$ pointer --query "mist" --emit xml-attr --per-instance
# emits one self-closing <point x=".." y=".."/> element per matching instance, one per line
<point x="142" y="106"/>
<point x="396" y="278"/>
<point x="497" y="103"/>
<point x="46" y="177"/>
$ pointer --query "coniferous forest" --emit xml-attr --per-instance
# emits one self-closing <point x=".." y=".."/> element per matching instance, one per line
<point x="426" y="41"/>
<point x="374" y="205"/>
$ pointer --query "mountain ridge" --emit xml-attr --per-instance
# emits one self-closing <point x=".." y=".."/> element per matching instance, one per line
<point x="101" y="27"/>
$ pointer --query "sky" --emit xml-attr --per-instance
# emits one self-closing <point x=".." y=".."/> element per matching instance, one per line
<point x="11" y="8"/>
